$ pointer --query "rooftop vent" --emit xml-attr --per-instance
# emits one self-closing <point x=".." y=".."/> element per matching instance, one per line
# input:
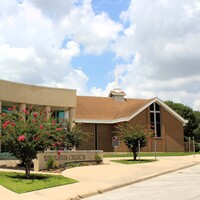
<point x="117" y="94"/>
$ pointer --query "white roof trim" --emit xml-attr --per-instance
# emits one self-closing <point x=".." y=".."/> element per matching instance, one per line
<point x="125" y="119"/>
<point x="175" y="114"/>
<point x="90" y="121"/>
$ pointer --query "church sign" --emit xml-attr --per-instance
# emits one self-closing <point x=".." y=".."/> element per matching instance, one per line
<point x="62" y="157"/>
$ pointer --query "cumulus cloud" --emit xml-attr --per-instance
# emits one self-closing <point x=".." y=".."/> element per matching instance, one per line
<point x="95" y="32"/>
<point x="161" y="45"/>
<point x="39" y="39"/>
<point x="54" y="9"/>
<point x="156" y="45"/>
<point x="100" y="92"/>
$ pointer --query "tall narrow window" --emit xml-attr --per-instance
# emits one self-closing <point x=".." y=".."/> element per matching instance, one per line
<point x="155" y="119"/>
<point x="96" y="136"/>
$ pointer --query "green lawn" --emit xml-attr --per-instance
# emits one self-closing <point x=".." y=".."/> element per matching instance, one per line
<point x="6" y="155"/>
<point x="146" y="154"/>
<point x="18" y="183"/>
<point x="131" y="161"/>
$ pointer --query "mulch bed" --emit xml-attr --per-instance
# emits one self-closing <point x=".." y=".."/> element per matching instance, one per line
<point x="54" y="170"/>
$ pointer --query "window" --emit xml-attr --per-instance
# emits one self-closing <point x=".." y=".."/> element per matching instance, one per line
<point x="96" y="136"/>
<point x="59" y="115"/>
<point x="5" y="109"/>
<point x="155" y="119"/>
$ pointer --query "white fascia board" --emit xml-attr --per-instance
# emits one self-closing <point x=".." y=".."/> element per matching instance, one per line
<point x="165" y="106"/>
<point x="141" y="109"/>
<point x="175" y="114"/>
<point x="90" y="121"/>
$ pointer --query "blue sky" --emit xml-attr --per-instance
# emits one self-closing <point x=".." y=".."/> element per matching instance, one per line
<point x="112" y="7"/>
<point x="99" y="67"/>
<point x="79" y="44"/>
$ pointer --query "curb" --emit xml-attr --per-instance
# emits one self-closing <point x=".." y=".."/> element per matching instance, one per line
<point x="79" y="197"/>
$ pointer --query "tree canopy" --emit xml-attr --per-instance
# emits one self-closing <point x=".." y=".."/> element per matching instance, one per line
<point x="30" y="132"/>
<point x="131" y="135"/>
<point x="193" y="117"/>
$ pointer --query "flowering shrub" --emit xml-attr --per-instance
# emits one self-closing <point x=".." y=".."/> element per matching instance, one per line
<point x="27" y="133"/>
<point x="21" y="138"/>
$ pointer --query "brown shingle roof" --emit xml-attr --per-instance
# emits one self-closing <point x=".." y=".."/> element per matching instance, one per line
<point x="106" y="108"/>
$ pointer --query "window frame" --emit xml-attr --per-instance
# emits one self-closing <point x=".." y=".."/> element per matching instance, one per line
<point x="155" y="110"/>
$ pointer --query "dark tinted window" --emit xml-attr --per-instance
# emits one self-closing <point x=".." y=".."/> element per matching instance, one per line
<point x="157" y="107"/>
<point x="157" y="117"/>
<point x="152" y="117"/>
<point x="155" y="122"/>
<point x="152" y="107"/>
<point x="158" y="130"/>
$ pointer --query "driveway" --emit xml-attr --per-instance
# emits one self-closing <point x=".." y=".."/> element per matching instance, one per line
<point x="180" y="185"/>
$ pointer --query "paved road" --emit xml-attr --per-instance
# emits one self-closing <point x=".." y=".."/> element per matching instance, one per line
<point x="179" y="185"/>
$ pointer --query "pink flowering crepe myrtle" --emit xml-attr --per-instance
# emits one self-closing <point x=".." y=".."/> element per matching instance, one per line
<point x="21" y="138"/>
<point x="28" y="132"/>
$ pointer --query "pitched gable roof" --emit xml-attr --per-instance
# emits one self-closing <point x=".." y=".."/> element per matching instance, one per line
<point x="107" y="110"/>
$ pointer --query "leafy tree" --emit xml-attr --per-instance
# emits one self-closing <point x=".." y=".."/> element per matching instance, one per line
<point x="131" y="135"/>
<point x="30" y="132"/>
<point x="72" y="135"/>
<point x="197" y="130"/>
<point x="187" y="113"/>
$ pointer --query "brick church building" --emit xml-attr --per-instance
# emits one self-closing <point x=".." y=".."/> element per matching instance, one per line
<point x="99" y="116"/>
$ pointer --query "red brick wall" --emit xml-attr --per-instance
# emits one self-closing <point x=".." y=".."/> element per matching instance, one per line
<point x="105" y="134"/>
<point x="172" y="134"/>
<point x="89" y="143"/>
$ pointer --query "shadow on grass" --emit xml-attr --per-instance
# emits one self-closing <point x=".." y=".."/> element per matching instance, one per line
<point x="19" y="178"/>
<point x="32" y="176"/>
<point x="131" y="161"/>
<point x="141" y="160"/>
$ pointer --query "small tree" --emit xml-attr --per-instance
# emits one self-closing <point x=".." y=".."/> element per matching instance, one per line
<point x="72" y="135"/>
<point x="27" y="133"/>
<point x="132" y="134"/>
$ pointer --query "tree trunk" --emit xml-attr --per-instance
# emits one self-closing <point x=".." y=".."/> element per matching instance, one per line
<point x="134" y="156"/>
<point x="27" y="169"/>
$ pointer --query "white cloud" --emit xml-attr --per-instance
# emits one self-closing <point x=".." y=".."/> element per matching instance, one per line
<point x="39" y="39"/>
<point x="54" y="9"/>
<point x="157" y="44"/>
<point x="71" y="50"/>
<point x="196" y="104"/>
<point x="94" y="32"/>
<point x="75" y="79"/>
<point x="94" y="91"/>
<point x="161" y="44"/>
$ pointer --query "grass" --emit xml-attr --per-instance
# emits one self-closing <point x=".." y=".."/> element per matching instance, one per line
<point x="146" y="154"/>
<point x="18" y="183"/>
<point x="131" y="161"/>
<point x="6" y="155"/>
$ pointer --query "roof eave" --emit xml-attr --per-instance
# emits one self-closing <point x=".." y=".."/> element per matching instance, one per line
<point x="128" y="118"/>
<point x="175" y="114"/>
<point x="91" y="121"/>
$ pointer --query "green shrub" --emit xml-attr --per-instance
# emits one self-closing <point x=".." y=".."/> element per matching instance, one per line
<point x="197" y="147"/>
<point x="50" y="163"/>
<point x="98" y="159"/>
<point x="73" y="164"/>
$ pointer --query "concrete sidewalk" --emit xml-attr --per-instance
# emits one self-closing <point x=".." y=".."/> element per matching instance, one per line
<point x="101" y="178"/>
